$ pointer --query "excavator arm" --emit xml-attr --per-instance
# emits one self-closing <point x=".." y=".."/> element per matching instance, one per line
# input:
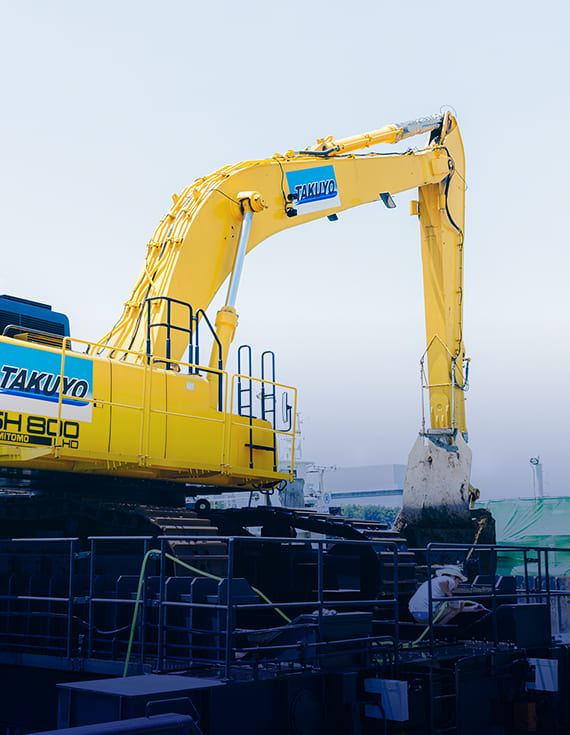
<point x="216" y="220"/>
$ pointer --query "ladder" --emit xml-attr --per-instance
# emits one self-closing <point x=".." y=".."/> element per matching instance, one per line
<point x="267" y="397"/>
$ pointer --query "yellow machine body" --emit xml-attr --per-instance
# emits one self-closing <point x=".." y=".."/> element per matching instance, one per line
<point x="129" y="405"/>
<point x="136" y="420"/>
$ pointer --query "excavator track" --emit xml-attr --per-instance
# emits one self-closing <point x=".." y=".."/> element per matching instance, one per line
<point x="396" y="563"/>
<point x="198" y="538"/>
<point x="25" y="515"/>
<point x="193" y="541"/>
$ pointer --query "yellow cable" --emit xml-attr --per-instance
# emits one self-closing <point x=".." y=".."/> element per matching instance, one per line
<point x="153" y="552"/>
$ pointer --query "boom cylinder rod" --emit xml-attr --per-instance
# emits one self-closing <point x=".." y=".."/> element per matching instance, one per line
<point x="240" y="257"/>
<point x="388" y="134"/>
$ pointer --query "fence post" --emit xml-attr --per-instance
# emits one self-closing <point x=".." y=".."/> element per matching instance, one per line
<point x="548" y="595"/>
<point x="494" y="595"/>
<point x="72" y="543"/>
<point x="396" y="606"/>
<point x="160" y="643"/>
<point x="229" y="611"/>
<point x="91" y="596"/>
<point x="144" y="612"/>
<point x="320" y="583"/>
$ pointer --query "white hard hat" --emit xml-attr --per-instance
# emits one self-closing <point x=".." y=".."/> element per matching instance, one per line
<point x="451" y="570"/>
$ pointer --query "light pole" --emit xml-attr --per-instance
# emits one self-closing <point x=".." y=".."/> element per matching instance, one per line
<point x="537" y="476"/>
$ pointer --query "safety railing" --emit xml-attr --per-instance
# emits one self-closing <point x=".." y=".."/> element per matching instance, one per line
<point x="168" y="612"/>
<point x="192" y="333"/>
<point x="452" y="385"/>
<point x="36" y="613"/>
<point x="507" y="580"/>
<point x="60" y="431"/>
<point x="269" y="433"/>
<point x="129" y="604"/>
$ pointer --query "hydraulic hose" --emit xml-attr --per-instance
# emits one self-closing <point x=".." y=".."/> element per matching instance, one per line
<point x="439" y="615"/>
<point x="440" y="612"/>
<point x="154" y="552"/>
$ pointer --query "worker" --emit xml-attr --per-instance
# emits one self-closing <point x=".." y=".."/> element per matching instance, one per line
<point x="445" y="580"/>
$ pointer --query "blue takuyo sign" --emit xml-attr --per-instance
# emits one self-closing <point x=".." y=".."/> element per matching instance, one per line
<point x="313" y="189"/>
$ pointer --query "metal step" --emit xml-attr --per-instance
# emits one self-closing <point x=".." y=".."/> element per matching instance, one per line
<point x="178" y="529"/>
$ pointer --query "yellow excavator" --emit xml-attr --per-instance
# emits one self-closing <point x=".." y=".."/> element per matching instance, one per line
<point x="143" y="404"/>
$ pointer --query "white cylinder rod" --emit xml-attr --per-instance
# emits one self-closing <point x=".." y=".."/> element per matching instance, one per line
<point x="240" y="257"/>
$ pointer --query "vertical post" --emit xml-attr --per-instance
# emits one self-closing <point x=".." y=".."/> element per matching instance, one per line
<point x="91" y="596"/>
<point x="548" y="596"/>
<point x="148" y="340"/>
<point x="320" y="584"/>
<point x="65" y="344"/>
<point x="197" y="341"/>
<point x="396" y="607"/>
<point x="293" y="433"/>
<point x="168" y="318"/>
<point x="453" y="383"/>
<point x="70" y="595"/>
<point x="430" y="599"/>
<point x="144" y="612"/>
<point x="220" y="383"/>
<point x="539" y="572"/>
<point x="192" y="370"/>
<point x="229" y="611"/>
<point x="494" y="595"/>
<point x="160" y="651"/>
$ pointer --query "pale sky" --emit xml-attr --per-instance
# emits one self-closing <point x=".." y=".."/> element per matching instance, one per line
<point x="110" y="107"/>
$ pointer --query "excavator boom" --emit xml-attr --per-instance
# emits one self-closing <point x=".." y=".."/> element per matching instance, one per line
<point x="194" y="248"/>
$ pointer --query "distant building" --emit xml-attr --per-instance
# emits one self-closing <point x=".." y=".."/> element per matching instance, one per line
<point x="325" y="487"/>
<point x="341" y="486"/>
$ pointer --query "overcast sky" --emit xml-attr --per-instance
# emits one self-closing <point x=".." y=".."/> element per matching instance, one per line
<point x="112" y="106"/>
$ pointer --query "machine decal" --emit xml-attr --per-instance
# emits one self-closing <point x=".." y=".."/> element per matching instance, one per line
<point x="313" y="189"/>
<point x="18" y="428"/>
<point x="31" y="382"/>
